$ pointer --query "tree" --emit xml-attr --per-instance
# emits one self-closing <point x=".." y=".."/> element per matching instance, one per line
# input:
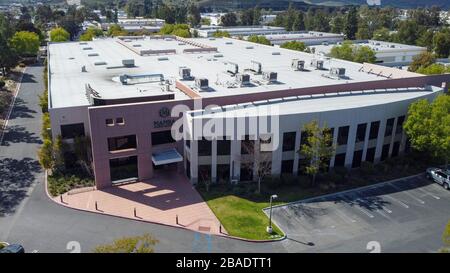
<point x="8" y="57"/>
<point x="90" y="33"/>
<point x="317" y="148"/>
<point x="441" y="44"/>
<point x="428" y="127"/>
<point x="259" y="40"/>
<point x="219" y="34"/>
<point x="182" y="33"/>
<point x="25" y="43"/>
<point x="116" y="30"/>
<point x="136" y="244"/>
<point x="344" y="51"/>
<point x="299" y="22"/>
<point x="247" y="17"/>
<point x="45" y="154"/>
<point x="426" y="39"/>
<point x="228" y="19"/>
<point x="82" y="150"/>
<point x="194" y="17"/>
<point x="422" y="60"/>
<point x="382" y="34"/>
<point x="261" y="160"/>
<point x="256" y="16"/>
<point x="446" y="239"/>
<point x="59" y="34"/>
<point x="337" y="24"/>
<point x="59" y="151"/>
<point x="351" y="24"/>
<point x="408" y="32"/>
<point x="294" y="45"/>
<point x="364" y="54"/>
<point x="434" y="69"/>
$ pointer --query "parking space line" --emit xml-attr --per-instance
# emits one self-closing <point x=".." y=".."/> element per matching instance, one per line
<point x="407" y="193"/>
<point x="358" y="207"/>
<point x="398" y="201"/>
<point x="345" y="216"/>
<point x="377" y="210"/>
<point x="429" y="193"/>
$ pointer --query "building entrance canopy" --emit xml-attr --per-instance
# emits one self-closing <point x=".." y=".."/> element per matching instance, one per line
<point x="166" y="157"/>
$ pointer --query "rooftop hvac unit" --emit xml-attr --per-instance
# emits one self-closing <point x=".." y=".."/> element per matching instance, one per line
<point x="337" y="72"/>
<point x="270" y="76"/>
<point x="128" y="62"/>
<point x="201" y="83"/>
<point x="243" y="79"/>
<point x="184" y="72"/>
<point x="297" y="64"/>
<point x="232" y="68"/>
<point x="256" y="67"/>
<point x="317" y="64"/>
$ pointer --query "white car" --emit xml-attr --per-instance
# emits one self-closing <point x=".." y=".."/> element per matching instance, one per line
<point x="439" y="176"/>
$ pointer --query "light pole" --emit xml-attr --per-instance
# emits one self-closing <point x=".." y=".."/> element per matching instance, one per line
<point x="269" y="228"/>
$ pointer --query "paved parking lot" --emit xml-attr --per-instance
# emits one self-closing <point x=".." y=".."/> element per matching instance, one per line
<point x="408" y="215"/>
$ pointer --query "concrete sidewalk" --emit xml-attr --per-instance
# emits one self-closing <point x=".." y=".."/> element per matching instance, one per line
<point x="159" y="200"/>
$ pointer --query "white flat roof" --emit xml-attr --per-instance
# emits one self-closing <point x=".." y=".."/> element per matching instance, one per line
<point x="316" y="103"/>
<point x="377" y="46"/>
<point x="103" y="60"/>
<point x="303" y="34"/>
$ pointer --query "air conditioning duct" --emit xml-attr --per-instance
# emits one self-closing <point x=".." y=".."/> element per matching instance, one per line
<point x="201" y="83"/>
<point x="256" y="67"/>
<point x="184" y="72"/>
<point x="317" y="64"/>
<point x="232" y="68"/>
<point x="128" y="62"/>
<point x="298" y="65"/>
<point x="337" y="72"/>
<point x="243" y="79"/>
<point x="270" y="76"/>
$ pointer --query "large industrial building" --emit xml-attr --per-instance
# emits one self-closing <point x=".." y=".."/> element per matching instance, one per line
<point x="236" y="31"/>
<point x="128" y="93"/>
<point x="386" y="53"/>
<point x="309" y="38"/>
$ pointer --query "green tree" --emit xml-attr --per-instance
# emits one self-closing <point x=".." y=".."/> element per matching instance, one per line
<point x="441" y="44"/>
<point x="59" y="151"/>
<point x="247" y="17"/>
<point x="259" y="40"/>
<point x="408" y="32"/>
<point x="433" y="69"/>
<point x="228" y="19"/>
<point x="294" y="45"/>
<point x="351" y="24"/>
<point x="116" y="30"/>
<point x="45" y="154"/>
<point x="446" y="239"/>
<point x="25" y="43"/>
<point x="299" y="22"/>
<point x="136" y="244"/>
<point x="422" y="60"/>
<point x="182" y="33"/>
<point x="317" y="148"/>
<point x="219" y="34"/>
<point x="426" y="39"/>
<point x="382" y="34"/>
<point x="337" y="24"/>
<point x="59" y="34"/>
<point x="364" y="54"/>
<point x="428" y="127"/>
<point x="344" y="51"/>
<point x="194" y="15"/>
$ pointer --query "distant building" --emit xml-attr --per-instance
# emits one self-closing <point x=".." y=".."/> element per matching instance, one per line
<point x="268" y="18"/>
<point x="214" y="18"/>
<point x="387" y="53"/>
<point x="137" y="24"/>
<point x="307" y="37"/>
<point x="208" y="31"/>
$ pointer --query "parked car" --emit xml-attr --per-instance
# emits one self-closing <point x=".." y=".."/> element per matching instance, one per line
<point x="13" y="248"/>
<point x="439" y="176"/>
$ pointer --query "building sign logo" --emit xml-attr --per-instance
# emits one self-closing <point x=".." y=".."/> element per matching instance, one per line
<point x="164" y="112"/>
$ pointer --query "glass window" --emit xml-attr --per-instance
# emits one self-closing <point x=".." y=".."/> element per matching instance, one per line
<point x="247" y="145"/>
<point x="385" y="151"/>
<point x="343" y="135"/>
<point x="123" y="168"/>
<point x="204" y="173"/>
<point x="399" y="128"/>
<point x="109" y="122"/>
<point x="223" y="147"/>
<point x="223" y="172"/>
<point x="370" y="155"/>
<point x="122" y="143"/>
<point x="339" y="160"/>
<point x="188" y="143"/>
<point x="120" y="121"/>
<point x="302" y="164"/>
<point x="395" y="149"/>
<point x="374" y="127"/>
<point x="204" y="147"/>
<point x="303" y="138"/>
<point x="361" y="132"/>
<point x="72" y="130"/>
<point x="162" y="137"/>
<point x="246" y="173"/>
<point x="288" y="141"/>
<point x="188" y="168"/>
<point x="389" y="127"/>
<point x="287" y="166"/>
<point x="357" y="158"/>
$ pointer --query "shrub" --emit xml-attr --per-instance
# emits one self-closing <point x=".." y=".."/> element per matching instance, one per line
<point x="367" y="168"/>
<point x="288" y="179"/>
<point x="2" y="84"/>
<point x="304" y="181"/>
<point x="272" y="182"/>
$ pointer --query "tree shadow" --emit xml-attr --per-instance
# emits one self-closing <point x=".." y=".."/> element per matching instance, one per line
<point x="21" y="110"/>
<point x="18" y="134"/>
<point x="16" y="176"/>
<point x="28" y="78"/>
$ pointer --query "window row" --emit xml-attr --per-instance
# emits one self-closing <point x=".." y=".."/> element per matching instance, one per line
<point x="130" y="141"/>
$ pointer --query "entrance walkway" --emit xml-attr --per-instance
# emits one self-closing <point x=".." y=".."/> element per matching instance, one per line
<point x="159" y="200"/>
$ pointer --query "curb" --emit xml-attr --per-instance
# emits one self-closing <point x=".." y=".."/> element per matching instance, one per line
<point x="11" y="106"/>
<point x="152" y="222"/>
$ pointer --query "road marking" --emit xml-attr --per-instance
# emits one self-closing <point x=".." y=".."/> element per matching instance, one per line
<point x="407" y="193"/>
<point x="345" y="217"/>
<point x="358" y="207"/>
<point x="398" y="201"/>
<point x="377" y="209"/>
<point x="429" y="193"/>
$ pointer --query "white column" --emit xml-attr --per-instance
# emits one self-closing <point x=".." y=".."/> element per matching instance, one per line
<point x="277" y="156"/>
<point x="350" y="145"/>
<point x="298" y="134"/>
<point x="214" y="161"/>
<point x="366" y="141"/>
<point x="380" y="140"/>
<point x="194" y="161"/>
<point x="235" y="154"/>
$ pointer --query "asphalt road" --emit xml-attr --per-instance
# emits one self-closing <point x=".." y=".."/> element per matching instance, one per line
<point x="408" y="215"/>
<point x="28" y="217"/>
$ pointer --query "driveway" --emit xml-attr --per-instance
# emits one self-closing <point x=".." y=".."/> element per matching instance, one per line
<point x="408" y="215"/>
